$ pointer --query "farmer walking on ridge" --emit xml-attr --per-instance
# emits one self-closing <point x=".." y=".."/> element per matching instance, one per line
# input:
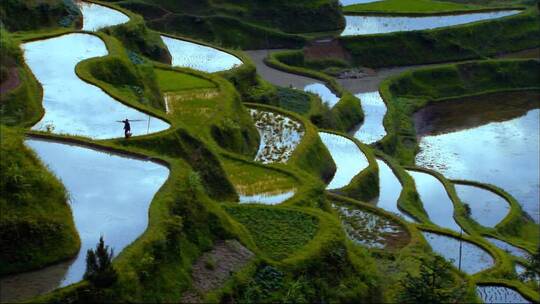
<point x="127" y="128"/>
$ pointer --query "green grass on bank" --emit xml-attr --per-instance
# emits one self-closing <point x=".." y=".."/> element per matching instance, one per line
<point x="278" y="233"/>
<point x="250" y="178"/>
<point x="410" y="7"/>
<point x="36" y="226"/>
<point x="173" y="81"/>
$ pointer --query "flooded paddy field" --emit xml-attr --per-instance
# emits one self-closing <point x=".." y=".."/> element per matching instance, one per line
<point x="485" y="146"/>
<point x="435" y="199"/>
<point x="369" y="229"/>
<point x="109" y="196"/>
<point x="366" y="25"/>
<point x="487" y="208"/>
<point x="389" y="191"/>
<point x="349" y="159"/>
<point x="510" y="249"/>
<point x="73" y="106"/>
<point x="279" y="136"/>
<point x="266" y="198"/>
<point x="473" y="258"/>
<point x="499" y="294"/>
<point x="199" y="57"/>
<point x="97" y="16"/>
<point x="327" y="96"/>
<point x="372" y="128"/>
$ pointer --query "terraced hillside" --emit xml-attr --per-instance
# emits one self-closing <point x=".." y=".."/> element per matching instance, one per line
<point x="145" y="157"/>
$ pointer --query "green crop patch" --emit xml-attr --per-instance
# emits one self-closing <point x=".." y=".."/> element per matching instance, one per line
<point x="172" y="81"/>
<point x="250" y="179"/>
<point x="277" y="232"/>
<point x="411" y="7"/>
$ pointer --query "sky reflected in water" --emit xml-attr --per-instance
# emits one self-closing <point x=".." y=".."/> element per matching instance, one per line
<point x="473" y="258"/>
<point x="372" y="129"/>
<point x="435" y="200"/>
<point x="487" y="208"/>
<point x="349" y="159"/>
<point x="109" y="195"/>
<point x="504" y="154"/>
<point x="199" y="57"/>
<point x="73" y="106"/>
<point x="324" y="93"/>
<point x="97" y="16"/>
<point x="365" y="25"/>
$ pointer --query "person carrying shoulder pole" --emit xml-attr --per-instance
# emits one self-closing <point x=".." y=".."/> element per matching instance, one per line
<point x="127" y="126"/>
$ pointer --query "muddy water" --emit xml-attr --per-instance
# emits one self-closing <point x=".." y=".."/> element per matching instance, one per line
<point x="324" y="93"/>
<point x="487" y="208"/>
<point x="435" y="199"/>
<point x="372" y="129"/>
<point x="512" y="250"/>
<point x="266" y="198"/>
<point x="73" y="106"/>
<point x="365" y="25"/>
<point x="369" y="229"/>
<point x="389" y="191"/>
<point x="97" y="16"/>
<point x="499" y="294"/>
<point x="109" y="196"/>
<point x="279" y="136"/>
<point x="349" y="159"/>
<point x="473" y="258"/>
<point x="199" y="57"/>
<point x="498" y="148"/>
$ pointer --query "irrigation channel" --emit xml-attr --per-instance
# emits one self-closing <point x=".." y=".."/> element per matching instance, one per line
<point x="123" y="186"/>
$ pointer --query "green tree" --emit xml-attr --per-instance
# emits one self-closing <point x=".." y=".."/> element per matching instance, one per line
<point x="433" y="285"/>
<point x="99" y="269"/>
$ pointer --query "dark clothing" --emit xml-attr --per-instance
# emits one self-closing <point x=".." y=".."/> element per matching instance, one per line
<point x="127" y="128"/>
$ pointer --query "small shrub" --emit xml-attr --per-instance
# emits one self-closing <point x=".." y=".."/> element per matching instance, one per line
<point x="99" y="269"/>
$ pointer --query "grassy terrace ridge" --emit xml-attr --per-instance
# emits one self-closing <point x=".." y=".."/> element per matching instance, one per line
<point x="440" y="45"/>
<point x="245" y="24"/>
<point x="422" y="7"/>
<point x="302" y="253"/>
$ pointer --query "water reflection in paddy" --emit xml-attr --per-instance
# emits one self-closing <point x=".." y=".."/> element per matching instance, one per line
<point x="372" y="129"/>
<point x="349" y="159"/>
<point x="324" y="93"/>
<point x="503" y="153"/>
<point x="73" y="106"/>
<point x="499" y="294"/>
<point x="365" y="25"/>
<point x="435" y="200"/>
<point x="266" y="198"/>
<point x="389" y="190"/>
<point x="109" y="195"/>
<point x="473" y="258"/>
<point x="279" y="136"/>
<point x="97" y="16"/>
<point x="513" y="250"/>
<point x="487" y="208"/>
<point x="199" y="57"/>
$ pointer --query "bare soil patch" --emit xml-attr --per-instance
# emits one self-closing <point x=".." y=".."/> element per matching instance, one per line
<point x="11" y="82"/>
<point x="215" y="267"/>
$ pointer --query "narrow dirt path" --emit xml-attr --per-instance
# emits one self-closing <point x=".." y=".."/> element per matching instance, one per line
<point x="277" y="77"/>
<point x="215" y="267"/>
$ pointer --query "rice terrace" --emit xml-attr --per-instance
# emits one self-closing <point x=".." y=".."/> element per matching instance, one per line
<point x="270" y="151"/>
